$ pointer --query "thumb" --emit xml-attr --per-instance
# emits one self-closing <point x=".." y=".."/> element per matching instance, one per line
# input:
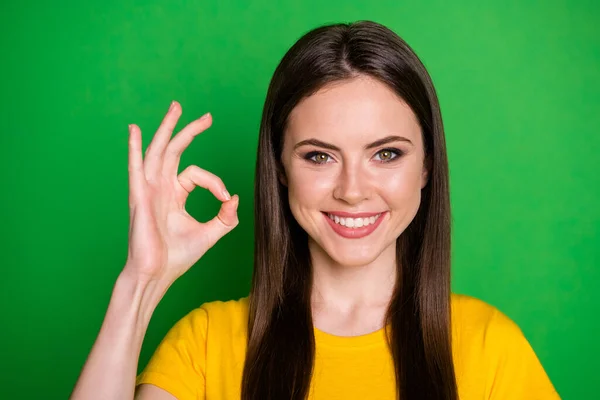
<point x="224" y="221"/>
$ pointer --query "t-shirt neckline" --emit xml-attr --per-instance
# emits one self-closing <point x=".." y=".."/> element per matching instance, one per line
<point x="367" y="339"/>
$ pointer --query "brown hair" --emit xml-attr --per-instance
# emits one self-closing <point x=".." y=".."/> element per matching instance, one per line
<point x="280" y="355"/>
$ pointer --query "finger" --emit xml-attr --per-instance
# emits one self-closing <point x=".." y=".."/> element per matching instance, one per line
<point x="224" y="222"/>
<point x="182" y="140"/>
<point x="137" y="178"/>
<point x="194" y="176"/>
<point x="155" y="151"/>
<point x="227" y="215"/>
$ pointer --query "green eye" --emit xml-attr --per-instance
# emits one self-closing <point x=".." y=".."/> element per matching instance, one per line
<point x="387" y="155"/>
<point x="317" y="158"/>
<point x="321" y="157"/>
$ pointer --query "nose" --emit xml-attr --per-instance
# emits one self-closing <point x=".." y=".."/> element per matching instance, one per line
<point x="353" y="184"/>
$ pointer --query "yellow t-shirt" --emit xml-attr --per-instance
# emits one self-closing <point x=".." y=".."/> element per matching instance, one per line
<point x="202" y="357"/>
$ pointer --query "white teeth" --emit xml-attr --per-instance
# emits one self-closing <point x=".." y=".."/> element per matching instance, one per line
<point x="353" y="222"/>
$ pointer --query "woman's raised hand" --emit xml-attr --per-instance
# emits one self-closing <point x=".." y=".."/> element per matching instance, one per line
<point x="164" y="240"/>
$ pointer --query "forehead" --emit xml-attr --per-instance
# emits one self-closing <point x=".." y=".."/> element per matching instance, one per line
<point x="362" y="108"/>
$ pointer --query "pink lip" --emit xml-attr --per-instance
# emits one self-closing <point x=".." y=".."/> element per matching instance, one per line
<point x="352" y="215"/>
<point x="354" y="233"/>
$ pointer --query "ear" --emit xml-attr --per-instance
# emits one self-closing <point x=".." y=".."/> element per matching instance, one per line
<point x="425" y="172"/>
<point x="282" y="179"/>
<point x="281" y="175"/>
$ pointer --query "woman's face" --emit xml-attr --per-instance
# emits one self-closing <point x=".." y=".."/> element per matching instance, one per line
<point x="353" y="159"/>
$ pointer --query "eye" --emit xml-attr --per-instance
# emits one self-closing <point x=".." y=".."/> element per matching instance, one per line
<point x="317" y="157"/>
<point x="387" y="155"/>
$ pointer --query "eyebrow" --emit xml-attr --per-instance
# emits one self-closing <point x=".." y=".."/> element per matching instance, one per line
<point x="329" y="146"/>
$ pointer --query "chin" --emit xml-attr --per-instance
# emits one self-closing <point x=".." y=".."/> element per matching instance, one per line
<point x="353" y="260"/>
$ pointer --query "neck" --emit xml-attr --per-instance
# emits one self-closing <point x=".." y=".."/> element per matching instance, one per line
<point x="346" y="288"/>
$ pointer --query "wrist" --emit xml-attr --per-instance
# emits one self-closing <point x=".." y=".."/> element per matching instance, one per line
<point x="137" y="295"/>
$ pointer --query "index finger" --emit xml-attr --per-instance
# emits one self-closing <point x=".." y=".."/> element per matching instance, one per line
<point x="182" y="140"/>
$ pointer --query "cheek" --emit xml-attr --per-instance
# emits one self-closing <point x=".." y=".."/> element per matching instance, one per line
<point x="307" y="187"/>
<point x="308" y="191"/>
<point x="401" y="187"/>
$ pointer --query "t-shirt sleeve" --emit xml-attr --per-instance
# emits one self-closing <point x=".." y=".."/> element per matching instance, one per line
<point x="178" y="364"/>
<point x="517" y="372"/>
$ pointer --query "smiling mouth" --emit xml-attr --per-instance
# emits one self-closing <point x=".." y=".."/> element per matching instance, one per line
<point x="349" y="222"/>
<point x="356" y="226"/>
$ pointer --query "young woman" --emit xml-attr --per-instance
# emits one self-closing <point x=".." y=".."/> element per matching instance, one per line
<point x="350" y="295"/>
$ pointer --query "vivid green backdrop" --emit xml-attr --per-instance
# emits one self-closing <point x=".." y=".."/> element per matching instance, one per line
<point x="519" y="88"/>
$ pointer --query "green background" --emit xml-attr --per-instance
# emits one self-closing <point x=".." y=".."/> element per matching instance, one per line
<point x="519" y="89"/>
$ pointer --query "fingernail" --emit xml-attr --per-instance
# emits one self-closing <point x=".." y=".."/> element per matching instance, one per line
<point x="129" y="127"/>
<point x="205" y="116"/>
<point x="226" y="194"/>
<point x="172" y="105"/>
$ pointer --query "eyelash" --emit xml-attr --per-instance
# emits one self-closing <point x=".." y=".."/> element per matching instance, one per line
<point x="398" y="153"/>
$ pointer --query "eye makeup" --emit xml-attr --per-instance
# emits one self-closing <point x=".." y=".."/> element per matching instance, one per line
<point x="390" y="154"/>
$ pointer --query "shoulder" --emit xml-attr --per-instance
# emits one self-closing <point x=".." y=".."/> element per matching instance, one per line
<point x="226" y="312"/>
<point x="473" y="312"/>
<point x="477" y="321"/>
<point x="490" y="349"/>
<point x="225" y="318"/>
<point x="215" y="316"/>
<point x="210" y="336"/>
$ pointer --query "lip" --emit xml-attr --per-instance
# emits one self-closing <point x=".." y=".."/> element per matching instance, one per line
<point x="354" y="233"/>
<point x="353" y="215"/>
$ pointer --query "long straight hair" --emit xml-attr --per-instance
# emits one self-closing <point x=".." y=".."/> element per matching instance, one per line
<point x="281" y="345"/>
